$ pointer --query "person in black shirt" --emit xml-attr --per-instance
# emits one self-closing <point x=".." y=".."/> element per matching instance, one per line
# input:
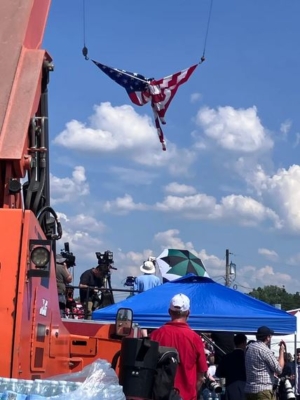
<point x="92" y="278"/>
<point x="288" y="371"/>
<point x="224" y="344"/>
<point x="232" y="368"/>
<point x="63" y="278"/>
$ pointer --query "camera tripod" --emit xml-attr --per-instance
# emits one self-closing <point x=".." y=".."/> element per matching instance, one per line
<point x="107" y="297"/>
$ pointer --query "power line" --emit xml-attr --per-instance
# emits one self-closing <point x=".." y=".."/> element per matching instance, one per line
<point x="245" y="287"/>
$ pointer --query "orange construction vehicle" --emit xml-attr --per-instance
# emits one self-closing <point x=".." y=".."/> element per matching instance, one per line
<point x="34" y="343"/>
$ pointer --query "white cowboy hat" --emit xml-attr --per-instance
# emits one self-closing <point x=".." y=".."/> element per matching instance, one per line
<point x="148" y="267"/>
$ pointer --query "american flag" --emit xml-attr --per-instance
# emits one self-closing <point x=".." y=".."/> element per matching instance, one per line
<point x="142" y="90"/>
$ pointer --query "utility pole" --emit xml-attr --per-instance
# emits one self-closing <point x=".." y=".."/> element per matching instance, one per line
<point x="227" y="270"/>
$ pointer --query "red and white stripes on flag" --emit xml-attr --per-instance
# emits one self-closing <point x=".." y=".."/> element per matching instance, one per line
<point x="163" y="90"/>
<point x="142" y="90"/>
<point x="161" y="93"/>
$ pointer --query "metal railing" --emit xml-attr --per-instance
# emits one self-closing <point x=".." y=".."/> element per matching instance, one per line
<point x="89" y="298"/>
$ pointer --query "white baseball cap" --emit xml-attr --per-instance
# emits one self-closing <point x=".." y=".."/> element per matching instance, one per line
<point x="180" y="302"/>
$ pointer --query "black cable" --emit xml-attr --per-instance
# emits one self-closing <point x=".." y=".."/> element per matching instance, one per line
<point x="42" y="215"/>
<point x="207" y="30"/>
<point x="39" y="192"/>
<point x="30" y="189"/>
<point x="244" y="287"/>
<point x="84" y="49"/>
<point x="83" y="15"/>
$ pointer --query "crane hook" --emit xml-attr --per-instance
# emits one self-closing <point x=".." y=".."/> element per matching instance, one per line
<point x="85" y="52"/>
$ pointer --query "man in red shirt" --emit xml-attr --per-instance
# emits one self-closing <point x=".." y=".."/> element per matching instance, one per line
<point x="177" y="334"/>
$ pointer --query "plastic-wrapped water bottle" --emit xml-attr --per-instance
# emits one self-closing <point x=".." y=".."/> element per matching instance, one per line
<point x="54" y="388"/>
<point x="27" y="387"/>
<point x="62" y="387"/>
<point x="113" y="392"/>
<point x="37" y="387"/>
<point x="10" y="395"/>
<point x="74" y="386"/>
<point x="13" y="384"/>
<point x="5" y="384"/>
<point x="1" y="385"/>
<point x="18" y="385"/>
<point x="46" y="388"/>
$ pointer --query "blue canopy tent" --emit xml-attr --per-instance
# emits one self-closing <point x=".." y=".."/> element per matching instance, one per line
<point x="214" y="307"/>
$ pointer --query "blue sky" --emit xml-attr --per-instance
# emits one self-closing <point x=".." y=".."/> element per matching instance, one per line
<point x="230" y="177"/>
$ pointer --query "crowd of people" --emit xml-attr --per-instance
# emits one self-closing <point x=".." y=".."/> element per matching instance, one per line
<point x="91" y="288"/>
<point x="90" y="282"/>
<point x="247" y="370"/>
<point x="251" y="371"/>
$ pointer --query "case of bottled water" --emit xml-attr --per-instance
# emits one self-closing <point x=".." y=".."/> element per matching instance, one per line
<point x="97" y="381"/>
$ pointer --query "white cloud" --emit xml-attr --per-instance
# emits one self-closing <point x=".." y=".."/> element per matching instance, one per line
<point x="267" y="274"/>
<point x="179" y="189"/>
<point x="133" y="176"/>
<point x="110" y="129"/>
<point x="81" y="225"/>
<point x="128" y="264"/>
<point x="200" y="142"/>
<point x="251" y="277"/>
<point x="124" y="205"/>
<point x="282" y="192"/>
<point x="297" y="141"/>
<point x="134" y="260"/>
<point x="195" y="97"/>
<point x="86" y="222"/>
<point x="269" y="254"/>
<point x="294" y="260"/>
<point x="234" y="129"/>
<point x="179" y="161"/>
<point x="285" y="127"/>
<point x="136" y="257"/>
<point x="170" y="239"/>
<point x="249" y="211"/>
<point x="200" y="145"/>
<point x="68" y="189"/>
<point x="200" y="204"/>
<point x="83" y="234"/>
<point x="120" y="130"/>
<point x="244" y="210"/>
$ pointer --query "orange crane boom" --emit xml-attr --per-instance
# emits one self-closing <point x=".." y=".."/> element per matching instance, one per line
<point x="21" y="73"/>
<point x="35" y="343"/>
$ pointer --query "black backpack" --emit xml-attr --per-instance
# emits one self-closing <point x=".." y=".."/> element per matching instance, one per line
<point x="163" y="386"/>
<point x="164" y="372"/>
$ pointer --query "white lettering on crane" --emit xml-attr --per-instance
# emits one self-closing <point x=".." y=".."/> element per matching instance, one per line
<point x="43" y="309"/>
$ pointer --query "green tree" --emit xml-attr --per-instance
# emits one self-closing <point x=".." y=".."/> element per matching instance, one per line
<point x="277" y="295"/>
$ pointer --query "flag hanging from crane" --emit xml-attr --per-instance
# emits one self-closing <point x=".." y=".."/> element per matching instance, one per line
<point x="142" y="90"/>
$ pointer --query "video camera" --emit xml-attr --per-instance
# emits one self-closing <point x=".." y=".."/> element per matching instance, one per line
<point x="105" y="261"/>
<point x="130" y="281"/>
<point x="284" y="388"/>
<point x="212" y="385"/>
<point x="70" y="258"/>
